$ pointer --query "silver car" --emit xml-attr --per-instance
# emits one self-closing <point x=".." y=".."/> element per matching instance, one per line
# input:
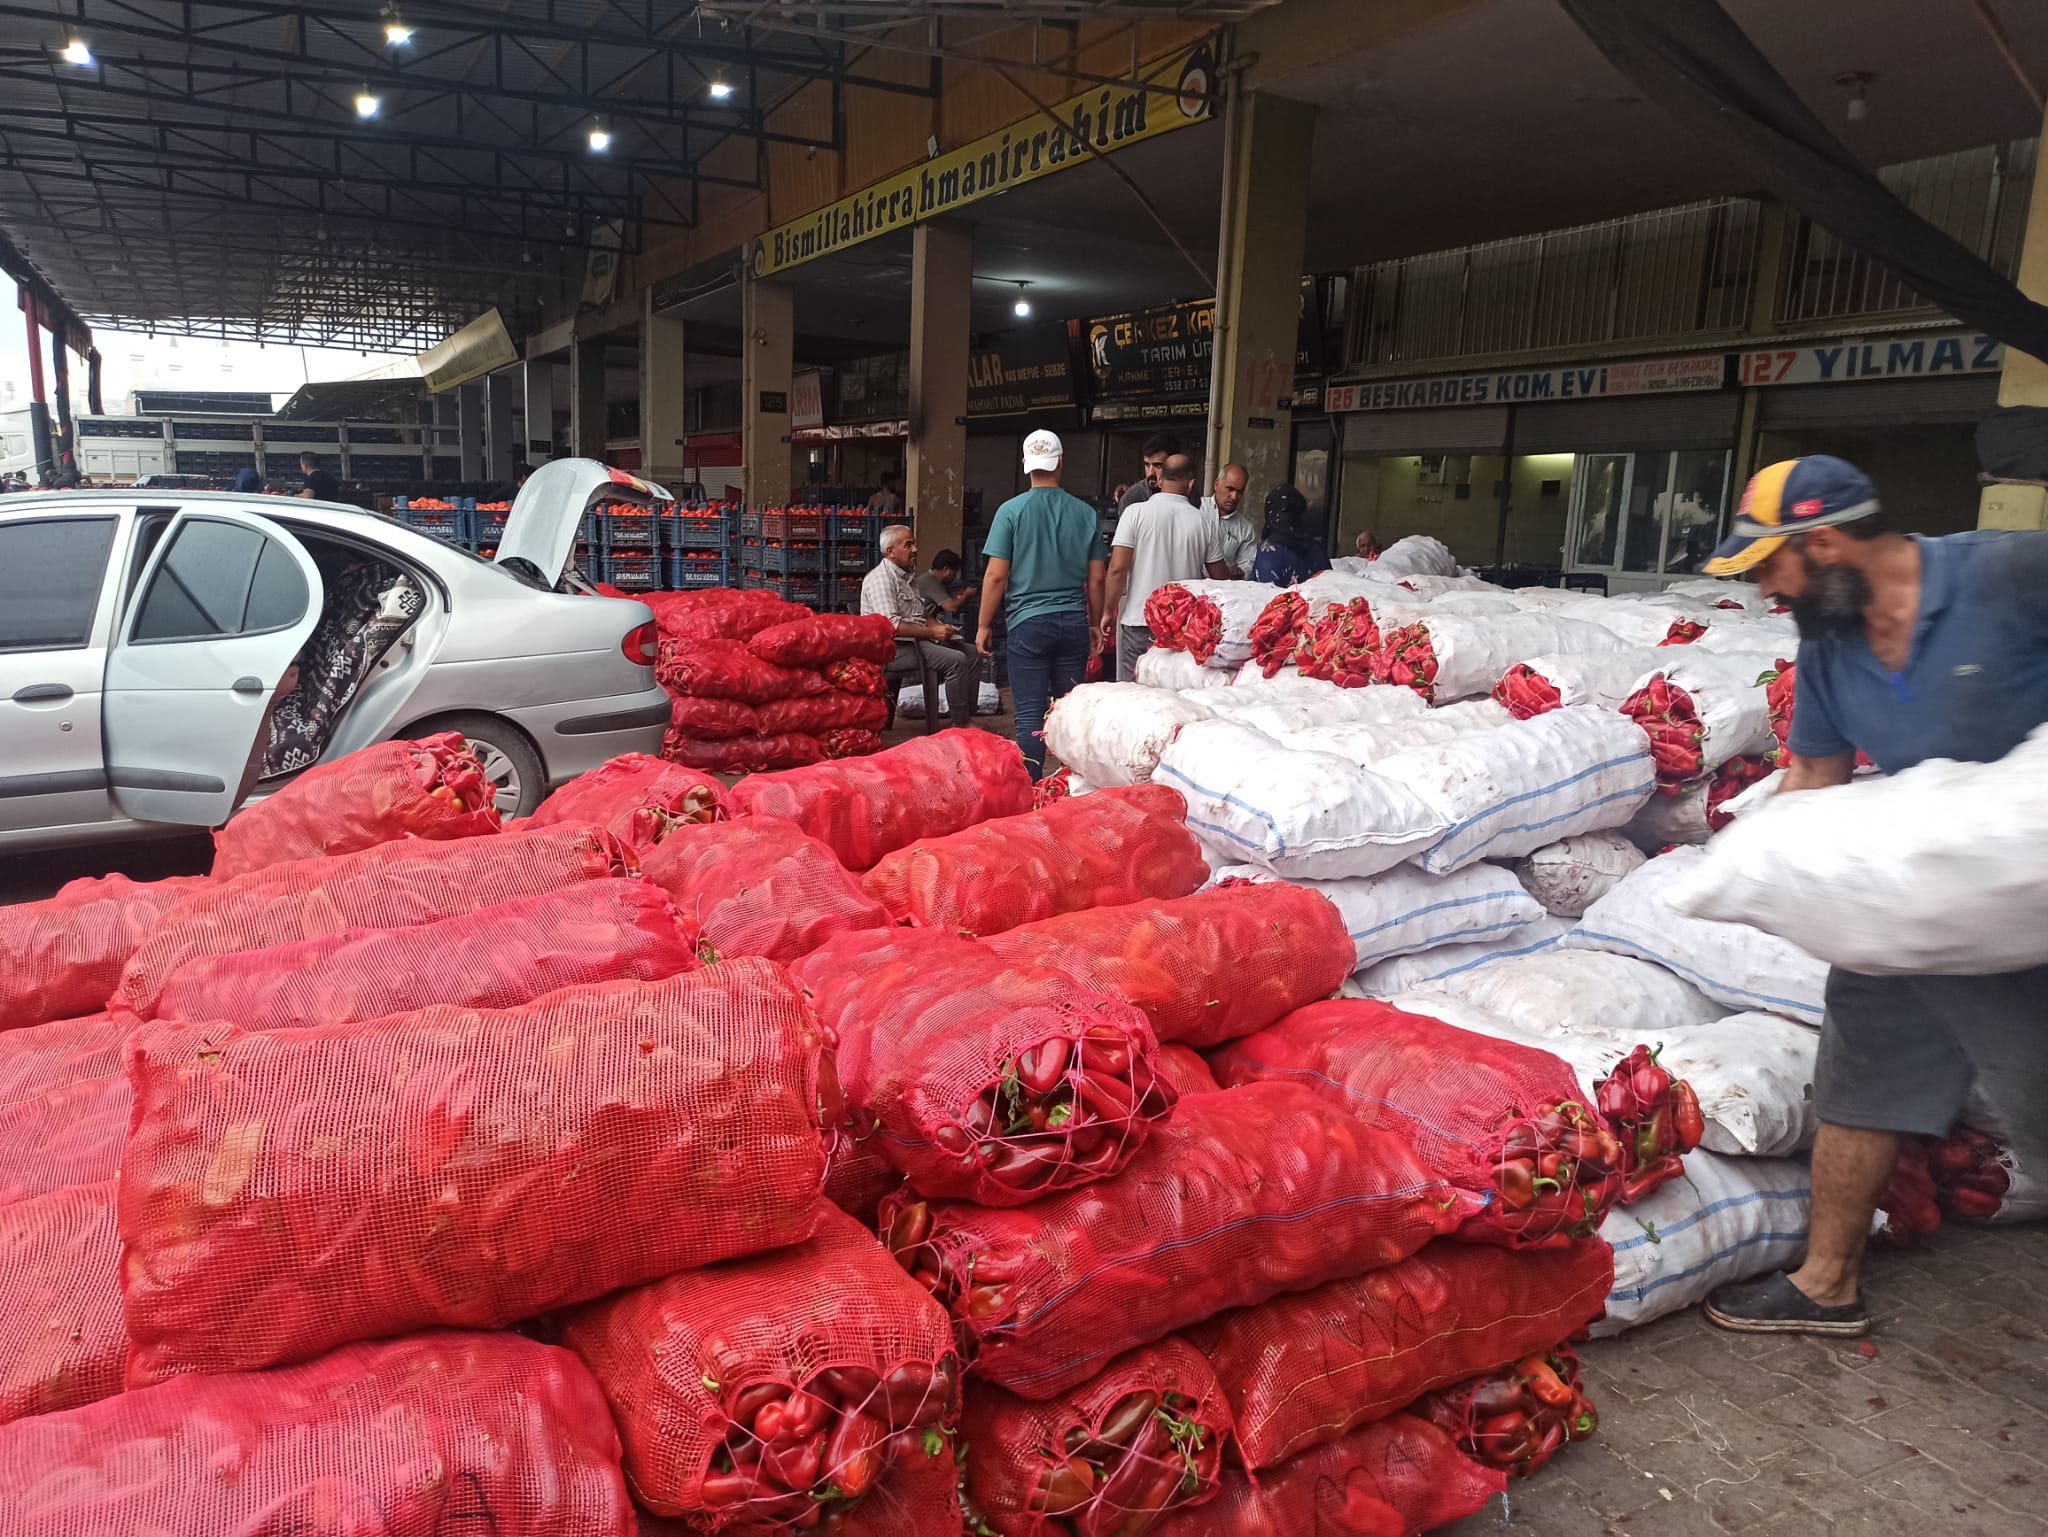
<point x="146" y="638"/>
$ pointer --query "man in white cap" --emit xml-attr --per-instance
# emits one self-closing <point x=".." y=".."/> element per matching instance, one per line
<point x="1043" y="565"/>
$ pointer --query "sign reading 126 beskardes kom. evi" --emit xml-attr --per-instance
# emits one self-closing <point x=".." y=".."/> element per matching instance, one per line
<point x="1921" y="355"/>
<point x="1515" y="386"/>
<point x="1174" y="92"/>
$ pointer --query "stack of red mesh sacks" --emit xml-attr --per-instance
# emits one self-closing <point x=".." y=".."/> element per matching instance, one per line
<point x="760" y="683"/>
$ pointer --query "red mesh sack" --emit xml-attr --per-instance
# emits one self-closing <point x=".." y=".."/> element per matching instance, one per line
<point x="712" y="720"/>
<point x="1277" y="631"/>
<point x="834" y="711"/>
<point x="432" y="788"/>
<point x="979" y="1078"/>
<point x="1516" y="1417"/>
<point x="423" y="1437"/>
<point x="857" y="1177"/>
<point x="1244" y="1194"/>
<point x="918" y="1497"/>
<point x="1339" y="647"/>
<point x="1056" y="786"/>
<point x="62" y="958"/>
<point x="1098" y="850"/>
<point x="1481" y="1112"/>
<point x="45" y="1057"/>
<point x="1656" y="1118"/>
<point x="823" y="638"/>
<point x="497" y="958"/>
<point x="69" y="1136"/>
<point x="1303" y="1369"/>
<point x="868" y="807"/>
<point x="850" y="742"/>
<point x="1143" y="1436"/>
<point x="1204" y="968"/>
<point x="759" y="886"/>
<point x="735" y="616"/>
<point x="610" y="793"/>
<point x="61" y="1340"/>
<point x="743" y="754"/>
<point x="1394" y="1478"/>
<point x="751" y="1392"/>
<point x="1525" y="694"/>
<point x="1183" y="1067"/>
<point x="856" y="677"/>
<point x="287" y="1191"/>
<point x="391" y="886"/>
<point x="726" y="669"/>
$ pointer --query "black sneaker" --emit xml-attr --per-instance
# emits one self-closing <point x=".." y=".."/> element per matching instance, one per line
<point x="1773" y="1305"/>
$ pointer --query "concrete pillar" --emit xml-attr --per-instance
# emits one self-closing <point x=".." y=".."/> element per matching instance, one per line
<point x="767" y="348"/>
<point x="501" y="451"/>
<point x="2025" y="380"/>
<point x="540" y="410"/>
<point x="661" y="394"/>
<point x="586" y="397"/>
<point x="1258" y="279"/>
<point x="941" y="297"/>
<point x="469" y="428"/>
<point x="1766" y="292"/>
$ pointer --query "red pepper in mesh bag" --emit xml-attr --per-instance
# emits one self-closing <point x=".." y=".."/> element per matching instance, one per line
<point x="1406" y="658"/>
<point x="1729" y="781"/>
<point x="40" y="1058"/>
<point x="67" y="1136"/>
<point x="286" y="1191"/>
<point x="1393" y="1478"/>
<point x="1097" y="850"/>
<point x="758" y="886"/>
<point x="1056" y="786"/>
<point x="857" y="1177"/>
<point x="62" y="958"/>
<point x="1339" y="647"/>
<point x="1307" y="1367"/>
<point x="1183" y="1067"/>
<point x="868" y="807"/>
<point x="1169" y="612"/>
<point x="1519" y="1417"/>
<point x="419" y="1437"/>
<point x="1683" y="632"/>
<point x="1525" y="694"/>
<point x="62" y="1343"/>
<point x="979" y="1077"/>
<point x="496" y="958"/>
<point x="749" y="754"/>
<point x="1910" y="1202"/>
<point x="1204" y="968"/>
<point x="730" y="615"/>
<point x="1677" y="739"/>
<point x="712" y="720"/>
<point x="833" y="711"/>
<point x="1780" y="687"/>
<point x="390" y="886"/>
<point x="1971" y="1174"/>
<point x="850" y="742"/>
<point x="1503" y="1121"/>
<point x="1143" y="1436"/>
<point x="1655" y="1117"/>
<point x="611" y="793"/>
<point x="824" y="638"/>
<point x="726" y="669"/>
<point x="1242" y="1195"/>
<point x="853" y="676"/>
<point x="1277" y="631"/>
<point x="757" y="1391"/>
<point x="433" y="788"/>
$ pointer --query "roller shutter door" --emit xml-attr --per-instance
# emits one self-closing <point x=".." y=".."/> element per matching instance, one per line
<point x="1695" y="419"/>
<point x="1448" y="430"/>
<point x="1878" y="404"/>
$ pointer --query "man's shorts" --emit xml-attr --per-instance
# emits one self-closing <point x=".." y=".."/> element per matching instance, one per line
<point x="1899" y="1053"/>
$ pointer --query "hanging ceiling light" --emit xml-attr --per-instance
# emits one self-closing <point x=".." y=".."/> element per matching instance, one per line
<point x="397" y="33"/>
<point x="720" y="90"/>
<point x="600" y="137"/>
<point x="1022" y="308"/>
<point x="368" y="105"/>
<point x="1856" y="81"/>
<point x="76" y="52"/>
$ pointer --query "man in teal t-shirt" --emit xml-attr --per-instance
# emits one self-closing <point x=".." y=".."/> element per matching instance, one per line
<point x="1044" y="561"/>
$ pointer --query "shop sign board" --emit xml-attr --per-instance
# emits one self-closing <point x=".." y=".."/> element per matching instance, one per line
<point x="1848" y="360"/>
<point x="1518" y="386"/>
<point x="1029" y="369"/>
<point x="1100" y="120"/>
<point x="1166" y="351"/>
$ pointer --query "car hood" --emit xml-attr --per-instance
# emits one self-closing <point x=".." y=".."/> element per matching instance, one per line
<point x="540" y="530"/>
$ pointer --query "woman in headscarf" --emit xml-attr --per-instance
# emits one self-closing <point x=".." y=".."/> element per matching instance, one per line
<point x="1290" y="551"/>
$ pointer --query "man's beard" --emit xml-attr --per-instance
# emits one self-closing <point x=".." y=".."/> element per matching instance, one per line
<point x="1832" y="605"/>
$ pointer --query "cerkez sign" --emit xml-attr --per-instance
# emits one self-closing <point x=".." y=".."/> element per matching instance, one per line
<point x="1029" y="369"/>
<point x="1166" y="351"/>
<point x="1930" y="354"/>
<point x="1637" y="376"/>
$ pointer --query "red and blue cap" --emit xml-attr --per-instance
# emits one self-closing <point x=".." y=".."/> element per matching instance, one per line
<point x="1787" y="498"/>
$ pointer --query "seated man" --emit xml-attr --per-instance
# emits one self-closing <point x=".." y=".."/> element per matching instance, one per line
<point x="890" y="589"/>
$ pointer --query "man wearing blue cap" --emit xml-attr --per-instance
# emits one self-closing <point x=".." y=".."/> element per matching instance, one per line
<point x="1910" y="648"/>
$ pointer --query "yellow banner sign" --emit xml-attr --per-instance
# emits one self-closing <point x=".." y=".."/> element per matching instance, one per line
<point x="1105" y="119"/>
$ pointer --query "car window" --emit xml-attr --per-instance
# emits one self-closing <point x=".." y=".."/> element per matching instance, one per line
<point x="220" y="579"/>
<point x="51" y="572"/>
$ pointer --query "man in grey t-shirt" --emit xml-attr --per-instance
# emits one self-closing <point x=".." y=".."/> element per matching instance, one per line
<point x="1166" y="538"/>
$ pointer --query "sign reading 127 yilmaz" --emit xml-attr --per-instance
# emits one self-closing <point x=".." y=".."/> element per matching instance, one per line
<point x="1170" y="94"/>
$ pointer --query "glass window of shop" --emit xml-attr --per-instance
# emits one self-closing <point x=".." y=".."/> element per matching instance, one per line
<point x="1652" y="514"/>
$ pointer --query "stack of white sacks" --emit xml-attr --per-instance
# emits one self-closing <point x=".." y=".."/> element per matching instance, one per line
<point x="1500" y="874"/>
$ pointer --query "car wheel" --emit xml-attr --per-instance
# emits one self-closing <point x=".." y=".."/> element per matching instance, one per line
<point x="510" y="762"/>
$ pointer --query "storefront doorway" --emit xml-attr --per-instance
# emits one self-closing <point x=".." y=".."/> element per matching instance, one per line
<point x="1645" y="518"/>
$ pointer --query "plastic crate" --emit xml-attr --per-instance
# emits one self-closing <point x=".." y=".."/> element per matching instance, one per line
<point x="856" y="559"/>
<point x="451" y="524"/>
<point x="628" y="532"/>
<point x="697" y="531"/>
<point x="785" y="559"/>
<point x="488" y="527"/>
<point x="750" y="525"/>
<point x="792" y="526"/>
<point x="633" y="573"/>
<point x="693" y="570"/>
<point x="846" y="594"/>
<point x="856" y="527"/>
<point x="793" y="589"/>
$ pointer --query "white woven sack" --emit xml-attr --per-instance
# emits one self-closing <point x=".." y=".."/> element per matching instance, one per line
<point x="1176" y="670"/>
<point x="1404" y="910"/>
<point x="1732" y="963"/>
<point x="1601" y="679"/>
<point x="1727" y="1220"/>
<point x="1366" y="742"/>
<point x="1471" y="654"/>
<point x="1476" y="605"/>
<point x="1734" y="714"/>
<point x="1570" y="875"/>
<point x="1941" y="868"/>
<point x="1559" y="991"/>
<point x="1716" y="592"/>
<point x="1426" y="589"/>
<point x="1113" y="733"/>
<point x="1327" y="589"/>
<point x="1513" y="789"/>
<point x="1293" y="813"/>
<point x="1240" y="604"/>
<point x="1668" y="819"/>
<point x="1774" y="636"/>
<point x="1281" y="705"/>
<point x="1416" y="555"/>
<point x="1389" y="978"/>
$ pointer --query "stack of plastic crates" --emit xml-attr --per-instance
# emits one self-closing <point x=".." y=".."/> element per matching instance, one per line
<point x="698" y="546"/>
<point x="627" y="543"/>
<point x="449" y="521"/>
<point x="487" y="527"/>
<point x="783" y="551"/>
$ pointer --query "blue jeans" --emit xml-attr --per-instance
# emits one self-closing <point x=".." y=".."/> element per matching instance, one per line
<point x="1048" y="655"/>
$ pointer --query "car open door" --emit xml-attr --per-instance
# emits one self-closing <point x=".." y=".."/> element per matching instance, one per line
<point x="540" y="530"/>
<point x="222" y="608"/>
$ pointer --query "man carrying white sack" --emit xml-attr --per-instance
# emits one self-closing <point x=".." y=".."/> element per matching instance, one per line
<point x="1910" y="648"/>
